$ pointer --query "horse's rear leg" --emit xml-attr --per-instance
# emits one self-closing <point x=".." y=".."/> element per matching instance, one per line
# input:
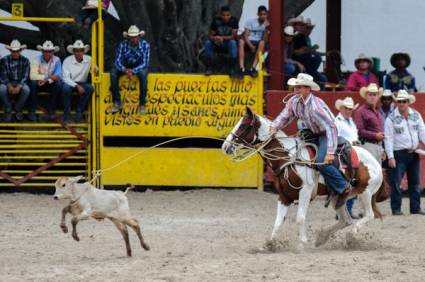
<point x="280" y="215"/>
<point x="366" y="200"/>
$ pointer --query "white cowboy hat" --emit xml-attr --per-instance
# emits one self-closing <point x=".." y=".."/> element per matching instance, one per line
<point x="15" y="45"/>
<point x="77" y="45"/>
<point x="289" y="30"/>
<point x="299" y="19"/>
<point x="308" y="22"/>
<point x="133" y="31"/>
<point x="387" y="93"/>
<point x="371" y="88"/>
<point x="90" y="4"/>
<point x="404" y="95"/>
<point x="48" y="46"/>
<point x="347" y="103"/>
<point x="304" y="79"/>
<point x="363" y="57"/>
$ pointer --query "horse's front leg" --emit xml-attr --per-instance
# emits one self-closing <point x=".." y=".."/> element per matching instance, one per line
<point x="303" y="203"/>
<point x="280" y="215"/>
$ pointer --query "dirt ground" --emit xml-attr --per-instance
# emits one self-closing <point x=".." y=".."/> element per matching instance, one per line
<point x="203" y="235"/>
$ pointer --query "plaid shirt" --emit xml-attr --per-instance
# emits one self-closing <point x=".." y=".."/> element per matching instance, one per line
<point x="315" y="114"/>
<point x="14" y="70"/>
<point x="133" y="58"/>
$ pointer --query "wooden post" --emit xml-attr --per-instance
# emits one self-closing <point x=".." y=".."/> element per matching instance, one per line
<point x="333" y="37"/>
<point x="276" y="44"/>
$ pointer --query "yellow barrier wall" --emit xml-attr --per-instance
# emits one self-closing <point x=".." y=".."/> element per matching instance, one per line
<point x="179" y="105"/>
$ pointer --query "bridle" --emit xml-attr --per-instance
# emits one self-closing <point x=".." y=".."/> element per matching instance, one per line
<point x="240" y="137"/>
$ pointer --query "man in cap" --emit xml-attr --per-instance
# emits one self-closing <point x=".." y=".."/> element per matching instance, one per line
<point x="46" y="75"/>
<point x="317" y="116"/>
<point x="76" y="69"/>
<point x="400" y="78"/>
<point x="404" y="128"/>
<point x="253" y="39"/>
<point x="363" y="76"/>
<point x="132" y="58"/>
<point x="369" y="121"/>
<point x="14" y="75"/>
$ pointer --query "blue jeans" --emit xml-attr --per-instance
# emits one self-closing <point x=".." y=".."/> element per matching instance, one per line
<point x="20" y="101"/>
<point x="84" y="99"/>
<point x="229" y="45"/>
<point x="405" y="163"/>
<point x="333" y="177"/>
<point x="143" y="81"/>
<point x="350" y="204"/>
<point x="289" y="69"/>
<point x="54" y="89"/>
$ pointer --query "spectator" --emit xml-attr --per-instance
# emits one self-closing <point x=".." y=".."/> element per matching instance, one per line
<point x="404" y="128"/>
<point x="369" y="122"/>
<point x="363" y="76"/>
<point x="347" y="129"/>
<point x="76" y="70"/>
<point x="89" y="14"/>
<point x="45" y="75"/>
<point x="14" y="75"/>
<point x="400" y="78"/>
<point x="253" y="39"/>
<point x="387" y="105"/>
<point x="307" y="55"/>
<point x="132" y="59"/>
<point x="291" y="67"/>
<point x="222" y="37"/>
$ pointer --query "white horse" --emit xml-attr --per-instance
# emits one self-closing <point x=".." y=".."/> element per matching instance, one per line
<point x="253" y="129"/>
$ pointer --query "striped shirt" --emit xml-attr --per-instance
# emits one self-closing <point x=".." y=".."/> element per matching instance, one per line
<point x="135" y="58"/>
<point x="316" y="116"/>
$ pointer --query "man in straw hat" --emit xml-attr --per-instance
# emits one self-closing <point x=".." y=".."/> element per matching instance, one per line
<point x="46" y="75"/>
<point x="387" y="105"/>
<point x="404" y="128"/>
<point x="347" y="129"/>
<point x="363" y="76"/>
<point x="14" y="75"/>
<point x="369" y="121"/>
<point x="132" y="58"/>
<point x="400" y="78"/>
<point x="76" y="69"/>
<point x="317" y="116"/>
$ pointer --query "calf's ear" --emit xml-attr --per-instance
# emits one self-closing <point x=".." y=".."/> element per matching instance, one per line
<point x="77" y="178"/>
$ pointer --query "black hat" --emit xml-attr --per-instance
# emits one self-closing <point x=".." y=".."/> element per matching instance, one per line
<point x="397" y="56"/>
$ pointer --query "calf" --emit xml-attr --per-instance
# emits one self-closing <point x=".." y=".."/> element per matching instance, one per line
<point x="87" y="201"/>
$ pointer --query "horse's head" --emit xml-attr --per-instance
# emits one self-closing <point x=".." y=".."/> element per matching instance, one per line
<point x="250" y="130"/>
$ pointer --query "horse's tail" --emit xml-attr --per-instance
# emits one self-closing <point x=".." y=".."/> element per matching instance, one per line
<point x="375" y="208"/>
<point x="129" y="187"/>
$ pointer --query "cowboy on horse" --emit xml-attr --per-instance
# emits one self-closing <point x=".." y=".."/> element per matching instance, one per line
<point x="317" y="117"/>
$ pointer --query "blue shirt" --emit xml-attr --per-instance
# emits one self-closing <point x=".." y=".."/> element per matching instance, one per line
<point x="135" y="58"/>
<point x="396" y="81"/>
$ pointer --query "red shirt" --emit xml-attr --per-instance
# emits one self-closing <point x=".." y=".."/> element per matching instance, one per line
<point x="358" y="80"/>
<point x="368" y="121"/>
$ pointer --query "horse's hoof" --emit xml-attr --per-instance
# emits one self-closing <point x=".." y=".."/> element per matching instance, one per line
<point x="146" y="247"/>
<point x="64" y="228"/>
<point x="321" y="239"/>
<point x="129" y="253"/>
<point x="76" y="238"/>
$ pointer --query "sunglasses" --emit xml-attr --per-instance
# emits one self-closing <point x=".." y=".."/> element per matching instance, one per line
<point x="402" y="102"/>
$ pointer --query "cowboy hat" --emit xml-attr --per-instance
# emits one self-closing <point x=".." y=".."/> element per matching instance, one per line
<point x="397" y="56"/>
<point x="404" y="95"/>
<point x="77" y="45"/>
<point x="308" y="22"/>
<point x="289" y="30"/>
<point x="299" y="19"/>
<point x="133" y="31"/>
<point x="15" y="45"/>
<point x="304" y="79"/>
<point x="363" y="57"/>
<point x="371" y="88"/>
<point x="387" y="93"/>
<point x="347" y="103"/>
<point x="48" y="46"/>
<point x="90" y="4"/>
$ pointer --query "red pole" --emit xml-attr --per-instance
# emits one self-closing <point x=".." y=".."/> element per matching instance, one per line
<point x="276" y="44"/>
<point x="333" y="37"/>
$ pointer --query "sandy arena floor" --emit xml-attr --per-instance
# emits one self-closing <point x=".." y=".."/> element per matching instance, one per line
<point x="204" y="235"/>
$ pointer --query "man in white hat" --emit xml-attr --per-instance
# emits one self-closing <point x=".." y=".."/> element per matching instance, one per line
<point x="363" y="76"/>
<point x="369" y="121"/>
<point x="88" y="13"/>
<point x="291" y="66"/>
<point x="317" y="116"/>
<point x="76" y="69"/>
<point x="132" y="58"/>
<point x="404" y="128"/>
<point x="14" y="75"/>
<point x="387" y="105"/>
<point x="46" y="75"/>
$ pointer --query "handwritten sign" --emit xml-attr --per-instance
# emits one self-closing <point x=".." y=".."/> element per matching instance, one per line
<point x="180" y="105"/>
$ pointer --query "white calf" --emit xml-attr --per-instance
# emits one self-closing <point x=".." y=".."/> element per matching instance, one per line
<point x="87" y="201"/>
